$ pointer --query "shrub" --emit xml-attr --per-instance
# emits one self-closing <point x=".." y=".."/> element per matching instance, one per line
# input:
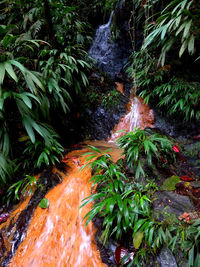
<point x="143" y="144"/>
<point x="178" y="25"/>
<point x="118" y="200"/>
<point x="35" y="79"/>
<point x="191" y="244"/>
<point x="175" y="95"/>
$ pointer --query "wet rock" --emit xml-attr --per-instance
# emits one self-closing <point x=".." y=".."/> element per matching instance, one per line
<point x="195" y="184"/>
<point x="107" y="251"/>
<point x="110" y="56"/>
<point x="173" y="203"/>
<point x="166" y="258"/>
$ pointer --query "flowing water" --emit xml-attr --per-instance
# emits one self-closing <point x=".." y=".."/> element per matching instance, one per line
<point x="139" y="115"/>
<point x="109" y="56"/>
<point x="56" y="236"/>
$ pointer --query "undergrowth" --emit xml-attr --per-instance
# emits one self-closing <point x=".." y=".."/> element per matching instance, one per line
<point x="126" y="204"/>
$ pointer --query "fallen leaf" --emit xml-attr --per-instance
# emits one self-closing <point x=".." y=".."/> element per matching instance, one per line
<point x="186" y="178"/>
<point x="121" y="252"/>
<point x="185" y="216"/>
<point x="4" y="217"/>
<point x="170" y="183"/>
<point x="176" y="149"/>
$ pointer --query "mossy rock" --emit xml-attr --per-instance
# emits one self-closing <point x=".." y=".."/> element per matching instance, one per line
<point x="169" y="183"/>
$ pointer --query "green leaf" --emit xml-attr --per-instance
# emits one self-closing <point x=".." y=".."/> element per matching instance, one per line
<point x="2" y="72"/>
<point x="44" y="203"/>
<point x="27" y="122"/>
<point x="26" y="100"/>
<point x="137" y="240"/>
<point x="10" y="71"/>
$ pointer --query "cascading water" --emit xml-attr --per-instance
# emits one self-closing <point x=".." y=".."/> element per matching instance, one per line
<point x="109" y="56"/>
<point x="56" y="236"/>
<point x="139" y="115"/>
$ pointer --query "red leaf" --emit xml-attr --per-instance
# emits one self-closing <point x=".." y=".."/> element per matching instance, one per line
<point x="186" y="178"/>
<point x="4" y="217"/>
<point x="121" y="252"/>
<point x="176" y="149"/>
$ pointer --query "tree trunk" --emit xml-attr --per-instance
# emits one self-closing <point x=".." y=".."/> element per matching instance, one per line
<point x="48" y="18"/>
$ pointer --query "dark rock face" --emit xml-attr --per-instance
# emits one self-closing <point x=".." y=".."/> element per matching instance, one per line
<point x="101" y="121"/>
<point x="175" y="203"/>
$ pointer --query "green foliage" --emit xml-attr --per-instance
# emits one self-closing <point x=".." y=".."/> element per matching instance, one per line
<point x="23" y="186"/>
<point x="37" y="78"/>
<point x="191" y="244"/>
<point x="175" y="95"/>
<point x="178" y="24"/>
<point x="144" y="71"/>
<point x="180" y="97"/>
<point x="142" y="144"/>
<point x="119" y="201"/>
<point x="44" y="203"/>
<point x="125" y="207"/>
<point x="111" y="99"/>
<point x="40" y="154"/>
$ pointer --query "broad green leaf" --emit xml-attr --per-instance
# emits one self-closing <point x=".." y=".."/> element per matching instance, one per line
<point x="10" y="71"/>
<point x="2" y="72"/>
<point x="137" y="240"/>
<point x="27" y="122"/>
<point x="44" y="203"/>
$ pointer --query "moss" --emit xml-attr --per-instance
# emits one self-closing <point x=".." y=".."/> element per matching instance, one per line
<point x="169" y="183"/>
<point x="192" y="150"/>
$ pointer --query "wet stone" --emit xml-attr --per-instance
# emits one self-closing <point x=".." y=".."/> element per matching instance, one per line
<point x="166" y="258"/>
<point x="195" y="184"/>
<point x="173" y="203"/>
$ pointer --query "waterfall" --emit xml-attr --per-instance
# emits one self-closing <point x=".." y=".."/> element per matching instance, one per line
<point x="140" y="116"/>
<point x="109" y="56"/>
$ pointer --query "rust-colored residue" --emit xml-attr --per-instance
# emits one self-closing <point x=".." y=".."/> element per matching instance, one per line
<point x="140" y="116"/>
<point x="120" y="87"/>
<point x="57" y="236"/>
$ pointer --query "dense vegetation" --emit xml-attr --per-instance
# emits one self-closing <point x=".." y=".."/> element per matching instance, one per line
<point x="43" y="64"/>
<point x="125" y="195"/>
<point x="44" y="67"/>
<point x="164" y="68"/>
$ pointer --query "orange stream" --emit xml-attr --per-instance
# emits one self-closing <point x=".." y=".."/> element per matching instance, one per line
<point x="139" y="115"/>
<point x="56" y="236"/>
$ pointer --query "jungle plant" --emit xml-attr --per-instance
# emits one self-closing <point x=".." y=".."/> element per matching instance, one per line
<point x="26" y="185"/>
<point x="145" y="72"/>
<point x="172" y="93"/>
<point x="34" y="81"/>
<point x="178" y="96"/>
<point x="119" y="201"/>
<point x="111" y="99"/>
<point x="40" y="153"/>
<point x="143" y="144"/>
<point x="191" y="243"/>
<point x="178" y="24"/>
